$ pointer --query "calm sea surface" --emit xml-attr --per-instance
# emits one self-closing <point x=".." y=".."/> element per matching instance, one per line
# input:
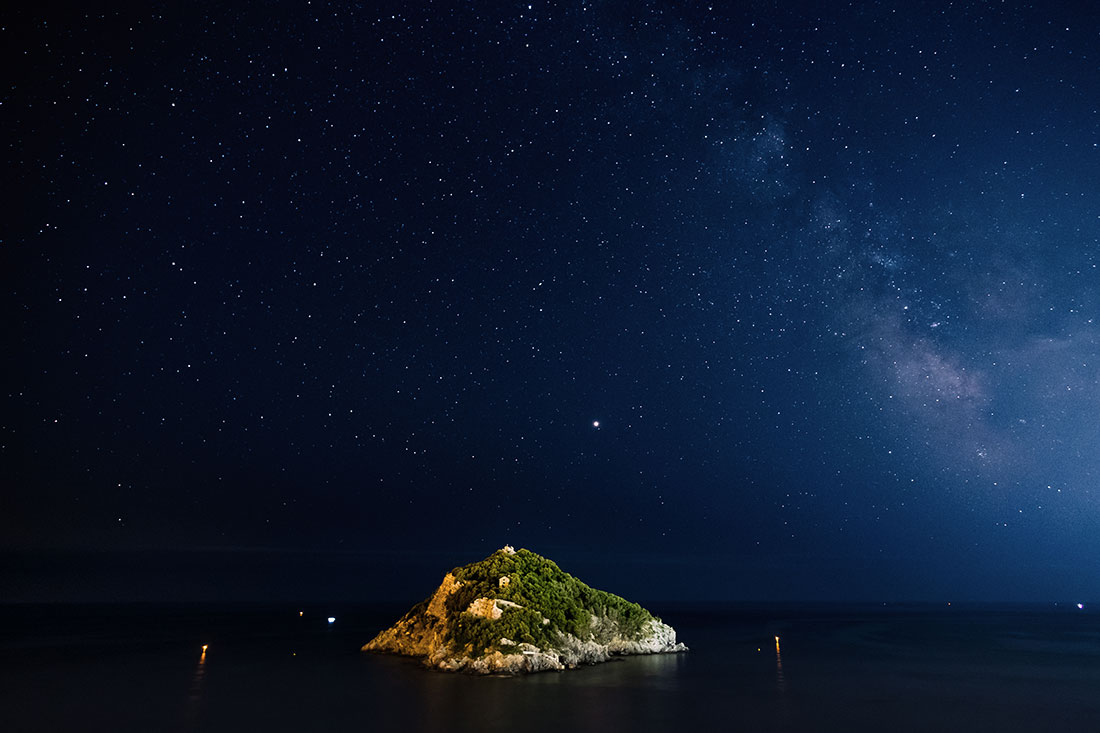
<point x="835" y="669"/>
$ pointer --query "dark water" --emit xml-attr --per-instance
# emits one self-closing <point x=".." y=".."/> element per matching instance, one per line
<point x="267" y="669"/>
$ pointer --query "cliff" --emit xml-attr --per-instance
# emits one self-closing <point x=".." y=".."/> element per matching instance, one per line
<point x="517" y="612"/>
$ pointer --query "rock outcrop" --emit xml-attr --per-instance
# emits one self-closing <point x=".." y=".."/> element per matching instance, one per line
<point x="517" y="612"/>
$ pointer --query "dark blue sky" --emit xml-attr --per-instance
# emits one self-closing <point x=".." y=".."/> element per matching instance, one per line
<point x="301" y="294"/>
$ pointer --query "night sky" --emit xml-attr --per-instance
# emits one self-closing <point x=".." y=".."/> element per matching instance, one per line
<point x="752" y="302"/>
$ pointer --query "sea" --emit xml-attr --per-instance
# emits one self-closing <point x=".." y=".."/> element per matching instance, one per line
<point x="750" y="668"/>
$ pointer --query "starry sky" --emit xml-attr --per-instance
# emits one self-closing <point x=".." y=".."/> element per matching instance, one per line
<point x="755" y="301"/>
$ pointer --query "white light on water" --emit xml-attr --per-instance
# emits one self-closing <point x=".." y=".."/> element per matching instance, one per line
<point x="1081" y="605"/>
<point x="332" y="619"/>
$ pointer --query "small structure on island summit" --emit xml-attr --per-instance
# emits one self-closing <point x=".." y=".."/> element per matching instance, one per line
<point x="516" y="612"/>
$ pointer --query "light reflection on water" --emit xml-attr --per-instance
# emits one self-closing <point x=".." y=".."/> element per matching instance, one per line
<point x="195" y="693"/>
<point x="197" y="679"/>
<point x="837" y="672"/>
<point x="621" y="694"/>
<point x="780" y="680"/>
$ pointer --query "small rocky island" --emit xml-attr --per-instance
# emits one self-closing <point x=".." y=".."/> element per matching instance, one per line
<point x="516" y="612"/>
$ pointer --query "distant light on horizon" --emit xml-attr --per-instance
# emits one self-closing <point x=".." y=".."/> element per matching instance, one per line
<point x="332" y="619"/>
<point x="595" y="423"/>
<point x="1081" y="606"/>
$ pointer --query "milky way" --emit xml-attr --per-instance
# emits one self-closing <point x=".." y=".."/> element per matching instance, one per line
<point x="805" y="303"/>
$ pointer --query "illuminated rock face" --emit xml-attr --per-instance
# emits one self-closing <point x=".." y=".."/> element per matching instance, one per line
<point x="490" y="608"/>
<point x="516" y="612"/>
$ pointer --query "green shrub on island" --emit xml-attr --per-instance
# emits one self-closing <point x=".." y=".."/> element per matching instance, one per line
<point x="543" y="591"/>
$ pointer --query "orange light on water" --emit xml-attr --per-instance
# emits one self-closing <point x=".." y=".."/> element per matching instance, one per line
<point x="301" y="612"/>
<point x="780" y="680"/>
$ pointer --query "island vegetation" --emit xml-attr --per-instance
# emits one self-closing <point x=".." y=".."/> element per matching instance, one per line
<point x="517" y="611"/>
<point x="541" y="590"/>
